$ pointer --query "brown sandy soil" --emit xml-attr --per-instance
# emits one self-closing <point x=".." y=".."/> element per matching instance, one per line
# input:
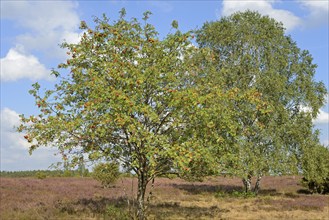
<point x="215" y="198"/>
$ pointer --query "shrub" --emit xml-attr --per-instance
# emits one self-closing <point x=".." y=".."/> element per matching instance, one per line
<point x="86" y="173"/>
<point x="40" y="175"/>
<point x="171" y="176"/>
<point x="106" y="173"/>
<point x="316" y="169"/>
<point x="313" y="186"/>
<point x="67" y="173"/>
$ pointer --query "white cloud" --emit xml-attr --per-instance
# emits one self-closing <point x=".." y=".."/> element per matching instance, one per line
<point x="9" y="119"/>
<point x="322" y="118"/>
<point x="326" y="98"/>
<point x="318" y="12"/>
<point x="264" y="7"/>
<point x="325" y="142"/>
<point x="9" y="138"/>
<point x="14" y="148"/>
<point x="18" y="65"/>
<point x="46" y="24"/>
<point x="41" y="15"/>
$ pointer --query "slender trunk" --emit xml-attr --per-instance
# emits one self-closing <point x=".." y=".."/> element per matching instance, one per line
<point x="257" y="184"/>
<point x="151" y="191"/>
<point x="247" y="183"/>
<point x="142" y="182"/>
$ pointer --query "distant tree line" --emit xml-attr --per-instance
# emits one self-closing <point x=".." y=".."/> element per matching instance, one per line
<point x="45" y="173"/>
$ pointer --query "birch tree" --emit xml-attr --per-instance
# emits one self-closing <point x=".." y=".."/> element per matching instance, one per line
<point x="253" y="52"/>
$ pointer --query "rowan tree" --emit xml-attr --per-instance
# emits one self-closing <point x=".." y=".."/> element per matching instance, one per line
<point x="126" y="96"/>
<point x="253" y="52"/>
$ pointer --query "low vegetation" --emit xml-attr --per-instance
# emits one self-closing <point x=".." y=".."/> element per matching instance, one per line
<point x="106" y="173"/>
<point x="41" y="174"/>
<point x="214" y="198"/>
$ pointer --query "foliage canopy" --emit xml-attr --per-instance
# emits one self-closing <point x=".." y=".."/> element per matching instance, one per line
<point x="252" y="52"/>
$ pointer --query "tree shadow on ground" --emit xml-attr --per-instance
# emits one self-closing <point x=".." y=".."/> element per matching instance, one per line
<point x="171" y="210"/>
<point x="269" y="192"/>
<point x="223" y="188"/>
<point x="304" y="191"/>
<point x="120" y="210"/>
<point x="89" y="205"/>
<point x="204" y="188"/>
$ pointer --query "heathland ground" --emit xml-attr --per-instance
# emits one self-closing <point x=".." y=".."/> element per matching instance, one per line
<point x="214" y="198"/>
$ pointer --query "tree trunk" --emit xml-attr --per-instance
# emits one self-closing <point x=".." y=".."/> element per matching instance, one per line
<point x="247" y="183"/>
<point x="257" y="184"/>
<point x="142" y="182"/>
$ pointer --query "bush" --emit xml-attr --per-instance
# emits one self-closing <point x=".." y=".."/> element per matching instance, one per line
<point x="86" y="173"/>
<point x="106" y="173"/>
<point x="317" y="187"/>
<point x="316" y="169"/>
<point x="40" y="175"/>
<point x="171" y="176"/>
<point x="68" y="173"/>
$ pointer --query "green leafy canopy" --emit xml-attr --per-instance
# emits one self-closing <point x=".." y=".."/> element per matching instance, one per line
<point x="252" y="52"/>
<point x="128" y="97"/>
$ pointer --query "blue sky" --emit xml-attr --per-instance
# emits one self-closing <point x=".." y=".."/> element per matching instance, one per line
<point x="32" y="30"/>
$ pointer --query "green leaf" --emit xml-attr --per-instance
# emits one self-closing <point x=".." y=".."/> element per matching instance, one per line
<point x="174" y="24"/>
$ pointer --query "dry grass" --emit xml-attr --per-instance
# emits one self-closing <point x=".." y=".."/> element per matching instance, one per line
<point x="215" y="198"/>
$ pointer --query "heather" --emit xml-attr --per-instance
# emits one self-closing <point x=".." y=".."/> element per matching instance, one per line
<point x="214" y="198"/>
